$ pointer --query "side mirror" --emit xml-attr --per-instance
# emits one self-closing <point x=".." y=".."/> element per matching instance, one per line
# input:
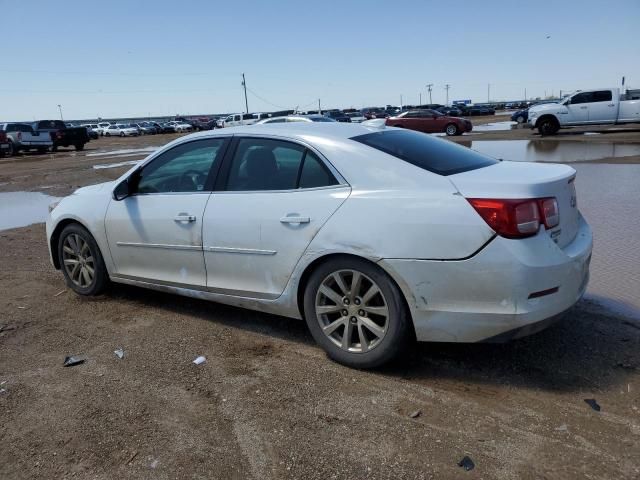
<point x="122" y="191"/>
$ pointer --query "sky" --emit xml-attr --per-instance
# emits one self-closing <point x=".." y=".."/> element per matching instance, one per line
<point x="123" y="58"/>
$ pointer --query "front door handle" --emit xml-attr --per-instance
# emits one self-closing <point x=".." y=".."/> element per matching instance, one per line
<point x="295" y="220"/>
<point x="612" y="105"/>
<point x="583" y="108"/>
<point x="184" y="217"/>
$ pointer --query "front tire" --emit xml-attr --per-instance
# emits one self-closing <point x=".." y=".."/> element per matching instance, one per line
<point x="79" y="147"/>
<point x="451" y="130"/>
<point x="356" y="313"/>
<point x="81" y="261"/>
<point x="548" y="126"/>
<point x="520" y="119"/>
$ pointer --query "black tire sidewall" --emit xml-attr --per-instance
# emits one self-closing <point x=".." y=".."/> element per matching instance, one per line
<point x="100" y="278"/>
<point x="397" y="335"/>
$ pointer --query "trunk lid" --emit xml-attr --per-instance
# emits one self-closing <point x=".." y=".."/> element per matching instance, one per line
<point x="524" y="180"/>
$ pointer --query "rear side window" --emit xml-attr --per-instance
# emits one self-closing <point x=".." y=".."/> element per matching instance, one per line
<point x="426" y="152"/>
<point x="602" y="96"/>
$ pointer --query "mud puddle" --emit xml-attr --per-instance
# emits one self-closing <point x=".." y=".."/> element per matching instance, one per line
<point x="565" y="151"/>
<point x="19" y="209"/>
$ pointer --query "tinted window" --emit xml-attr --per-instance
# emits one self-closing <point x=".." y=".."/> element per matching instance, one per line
<point x="184" y="168"/>
<point x="248" y="116"/>
<point x="321" y="119"/>
<point x="432" y="154"/>
<point x="264" y="164"/>
<point x="314" y="173"/>
<point x="584" y="97"/>
<point x="602" y="96"/>
<point x="51" y="124"/>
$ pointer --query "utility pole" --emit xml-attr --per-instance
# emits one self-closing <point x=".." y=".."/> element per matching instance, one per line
<point x="525" y="94"/>
<point x="429" y="89"/>
<point x="420" y="103"/>
<point x="244" y="85"/>
<point x="60" y="108"/>
<point x="488" y="92"/>
<point x="319" y="108"/>
<point x="400" y="101"/>
<point x="447" y="87"/>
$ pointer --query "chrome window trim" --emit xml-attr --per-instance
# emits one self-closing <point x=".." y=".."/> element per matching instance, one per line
<point x="249" y="251"/>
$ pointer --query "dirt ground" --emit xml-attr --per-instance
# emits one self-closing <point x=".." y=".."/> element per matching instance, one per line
<point x="268" y="404"/>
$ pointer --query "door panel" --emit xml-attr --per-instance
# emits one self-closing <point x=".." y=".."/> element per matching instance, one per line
<point x="603" y="109"/>
<point x="156" y="233"/>
<point x="251" y="247"/>
<point x="147" y="241"/>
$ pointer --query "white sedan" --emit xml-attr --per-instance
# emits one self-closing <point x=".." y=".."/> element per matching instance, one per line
<point x="121" y="131"/>
<point x="373" y="235"/>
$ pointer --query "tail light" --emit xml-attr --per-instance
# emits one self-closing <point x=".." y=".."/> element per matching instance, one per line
<point x="517" y="218"/>
<point x="3" y="136"/>
<point x="59" y="135"/>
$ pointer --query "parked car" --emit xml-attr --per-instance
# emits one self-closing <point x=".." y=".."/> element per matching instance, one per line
<point x="61" y="135"/>
<point x="430" y="121"/>
<point x="476" y="110"/>
<point x="589" y="107"/>
<point x="102" y="127"/>
<point x="240" y="119"/>
<point x="144" y="128"/>
<point x="451" y="111"/>
<point x="121" y="130"/>
<point x="374" y="236"/>
<point x="22" y="137"/>
<point x="338" y="116"/>
<point x="373" y="112"/>
<point x="520" y="116"/>
<point x="356" y="117"/>
<point x="4" y="144"/>
<point x="168" y="127"/>
<point x="296" y="118"/>
<point x="181" y="126"/>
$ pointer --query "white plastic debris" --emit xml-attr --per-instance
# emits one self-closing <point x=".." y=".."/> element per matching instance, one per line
<point x="200" y="360"/>
<point x="119" y="353"/>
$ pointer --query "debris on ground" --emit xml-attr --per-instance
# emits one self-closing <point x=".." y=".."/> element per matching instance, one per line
<point x="592" y="403"/>
<point x="72" y="360"/>
<point x="2" y="389"/>
<point x="154" y="464"/>
<point x="415" y="414"/>
<point x="466" y="463"/>
<point x="562" y="428"/>
<point x="135" y="454"/>
<point x="6" y="328"/>
<point x="119" y="353"/>
<point x="200" y="360"/>
<point x="59" y="293"/>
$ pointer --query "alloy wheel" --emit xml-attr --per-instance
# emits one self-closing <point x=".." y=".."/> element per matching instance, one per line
<point x="352" y="311"/>
<point x="78" y="260"/>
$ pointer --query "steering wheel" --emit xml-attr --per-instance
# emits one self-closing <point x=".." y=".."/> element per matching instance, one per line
<point x="191" y="180"/>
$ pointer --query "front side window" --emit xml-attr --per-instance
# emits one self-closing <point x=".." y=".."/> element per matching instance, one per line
<point x="265" y="164"/>
<point x="584" y="97"/>
<point x="184" y="168"/>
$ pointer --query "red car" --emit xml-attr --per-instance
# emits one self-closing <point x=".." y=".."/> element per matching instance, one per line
<point x="430" y="121"/>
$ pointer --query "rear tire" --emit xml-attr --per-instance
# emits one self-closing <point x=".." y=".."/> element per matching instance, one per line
<point x="81" y="261"/>
<point x="520" y="119"/>
<point x="451" y="130"/>
<point x="122" y="134"/>
<point x="380" y="318"/>
<point x="12" y="149"/>
<point x="79" y="146"/>
<point x="42" y="150"/>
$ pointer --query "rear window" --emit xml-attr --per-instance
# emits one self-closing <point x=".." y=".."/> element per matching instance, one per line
<point x="429" y="153"/>
<point x="51" y="124"/>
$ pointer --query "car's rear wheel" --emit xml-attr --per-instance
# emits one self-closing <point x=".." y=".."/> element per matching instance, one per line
<point x="79" y="146"/>
<point x="451" y="129"/>
<point x="107" y="134"/>
<point x="12" y="149"/>
<point x="520" y="119"/>
<point x="81" y="261"/>
<point x="122" y="134"/>
<point x="42" y="150"/>
<point x="356" y="313"/>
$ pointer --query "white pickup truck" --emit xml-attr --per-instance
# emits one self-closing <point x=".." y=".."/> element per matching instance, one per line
<point x="587" y="107"/>
<point x="22" y="137"/>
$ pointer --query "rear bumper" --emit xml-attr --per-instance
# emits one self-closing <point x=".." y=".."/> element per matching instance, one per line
<point x="489" y="297"/>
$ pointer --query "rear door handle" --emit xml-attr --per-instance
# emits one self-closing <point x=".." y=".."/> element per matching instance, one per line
<point x="183" y="217"/>
<point x="295" y="220"/>
<point x="612" y="105"/>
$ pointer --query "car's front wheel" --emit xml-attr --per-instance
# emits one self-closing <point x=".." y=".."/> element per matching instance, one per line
<point x="356" y="313"/>
<point x="520" y="119"/>
<point x="451" y="129"/>
<point x="81" y="261"/>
